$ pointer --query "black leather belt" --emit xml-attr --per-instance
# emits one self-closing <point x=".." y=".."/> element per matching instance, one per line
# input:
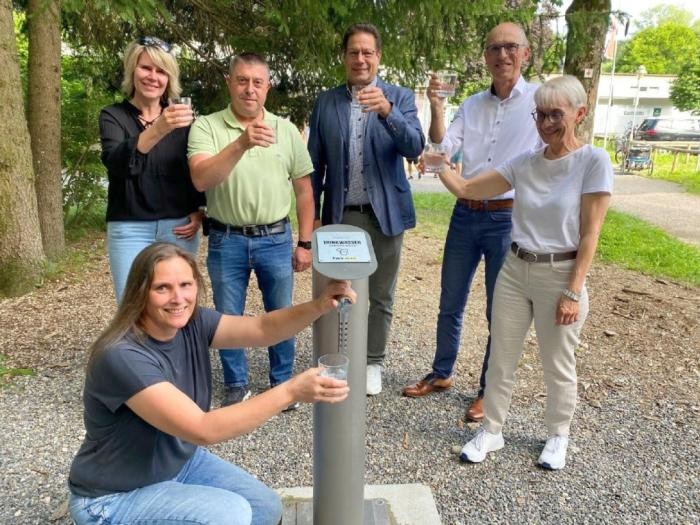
<point x="533" y="257"/>
<point x="250" y="230"/>
<point x="362" y="208"/>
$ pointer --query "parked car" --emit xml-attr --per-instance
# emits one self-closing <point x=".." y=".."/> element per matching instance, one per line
<point x="669" y="129"/>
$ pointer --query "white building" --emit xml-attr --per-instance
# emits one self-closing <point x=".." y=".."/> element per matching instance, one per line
<point x="654" y="101"/>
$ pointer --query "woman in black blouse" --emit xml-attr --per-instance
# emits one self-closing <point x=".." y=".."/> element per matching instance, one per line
<point x="144" y="147"/>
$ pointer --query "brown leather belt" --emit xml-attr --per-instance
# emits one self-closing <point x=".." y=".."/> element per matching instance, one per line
<point x="250" y="230"/>
<point x="533" y="257"/>
<point x="501" y="204"/>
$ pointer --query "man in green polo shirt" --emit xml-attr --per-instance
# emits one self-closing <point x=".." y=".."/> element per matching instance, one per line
<point x="248" y="161"/>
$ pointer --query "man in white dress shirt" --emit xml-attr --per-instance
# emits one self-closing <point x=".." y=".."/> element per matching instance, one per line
<point x="490" y="128"/>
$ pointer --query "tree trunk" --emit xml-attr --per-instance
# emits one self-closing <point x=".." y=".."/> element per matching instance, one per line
<point x="44" y="119"/>
<point x="21" y="253"/>
<point x="588" y="22"/>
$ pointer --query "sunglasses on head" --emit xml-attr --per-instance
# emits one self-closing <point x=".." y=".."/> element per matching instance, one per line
<point x="152" y="41"/>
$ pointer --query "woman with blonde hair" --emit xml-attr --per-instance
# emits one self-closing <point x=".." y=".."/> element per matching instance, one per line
<point x="147" y="402"/>
<point x="144" y="148"/>
<point x="562" y="192"/>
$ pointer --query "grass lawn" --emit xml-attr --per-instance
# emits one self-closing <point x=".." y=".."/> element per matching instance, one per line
<point x="625" y="240"/>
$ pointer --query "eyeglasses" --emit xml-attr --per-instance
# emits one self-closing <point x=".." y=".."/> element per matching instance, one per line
<point x="152" y="41"/>
<point x="554" y="116"/>
<point x="511" y="48"/>
<point x="366" y="53"/>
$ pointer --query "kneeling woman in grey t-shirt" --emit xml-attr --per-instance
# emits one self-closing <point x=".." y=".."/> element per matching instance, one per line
<point x="147" y="396"/>
<point x="562" y="194"/>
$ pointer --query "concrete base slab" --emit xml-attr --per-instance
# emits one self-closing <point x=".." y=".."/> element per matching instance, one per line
<point x="410" y="504"/>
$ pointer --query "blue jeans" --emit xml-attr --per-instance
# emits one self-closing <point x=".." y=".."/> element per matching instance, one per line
<point x="207" y="491"/>
<point x="230" y="261"/>
<point x="125" y="239"/>
<point x="471" y="234"/>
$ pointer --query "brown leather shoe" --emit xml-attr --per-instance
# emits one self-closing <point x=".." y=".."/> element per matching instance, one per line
<point x="426" y="386"/>
<point x="475" y="411"/>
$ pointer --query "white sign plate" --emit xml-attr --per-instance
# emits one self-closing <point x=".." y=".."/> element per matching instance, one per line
<point x="342" y="247"/>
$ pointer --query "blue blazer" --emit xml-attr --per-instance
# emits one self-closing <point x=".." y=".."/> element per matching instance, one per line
<point x="386" y="143"/>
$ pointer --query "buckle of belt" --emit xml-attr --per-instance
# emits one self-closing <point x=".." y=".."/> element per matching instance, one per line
<point x="526" y="256"/>
<point x="253" y="230"/>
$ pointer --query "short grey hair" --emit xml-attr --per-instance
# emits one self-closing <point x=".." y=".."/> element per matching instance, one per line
<point x="250" y="59"/>
<point x="566" y="88"/>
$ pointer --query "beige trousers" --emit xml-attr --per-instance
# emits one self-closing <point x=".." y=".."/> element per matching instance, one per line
<point x="526" y="292"/>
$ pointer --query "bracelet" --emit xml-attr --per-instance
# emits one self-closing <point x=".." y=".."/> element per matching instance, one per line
<point x="304" y="244"/>
<point x="570" y="294"/>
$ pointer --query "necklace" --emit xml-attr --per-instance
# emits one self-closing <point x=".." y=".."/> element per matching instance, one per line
<point x="149" y="123"/>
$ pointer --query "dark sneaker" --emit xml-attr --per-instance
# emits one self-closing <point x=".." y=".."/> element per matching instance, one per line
<point x="235" y="394"/>
<point x="291" y="407"/>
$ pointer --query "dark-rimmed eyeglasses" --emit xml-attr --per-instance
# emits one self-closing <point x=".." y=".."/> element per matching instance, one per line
<point x="510" y="47"/>
<point x="152" y="41"/>
<point x="553" y="116"/>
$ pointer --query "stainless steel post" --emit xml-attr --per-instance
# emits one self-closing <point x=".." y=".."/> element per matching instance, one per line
<point x="339" y="429"/>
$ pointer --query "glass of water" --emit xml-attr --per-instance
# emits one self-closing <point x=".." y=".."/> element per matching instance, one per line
<point x="448" y="84"/>
<point x="187" y="101"/>
<point x="433" y="157"/>
<point x="355" y="90"/>
<point x="334" y="365"/>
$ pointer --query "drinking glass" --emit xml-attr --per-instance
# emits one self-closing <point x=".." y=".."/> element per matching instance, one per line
<point x="274" y="124"/>
<point x="355" y="90"/>
<point x="187" y="101"/>
<point x="433" y="157"/>
<point x="275" y="128"/>
<point x="334" y="365"/>
<point x="448" y="84"/>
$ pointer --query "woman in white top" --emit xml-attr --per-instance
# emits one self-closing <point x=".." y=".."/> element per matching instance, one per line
<point x="562" y="194"/>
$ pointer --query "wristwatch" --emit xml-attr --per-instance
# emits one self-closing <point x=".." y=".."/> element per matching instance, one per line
<point x="304" y="244"/>
<point x="570" y="294"/>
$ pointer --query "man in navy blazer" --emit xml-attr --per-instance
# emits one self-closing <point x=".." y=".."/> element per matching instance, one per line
<point x="358" y="140"/>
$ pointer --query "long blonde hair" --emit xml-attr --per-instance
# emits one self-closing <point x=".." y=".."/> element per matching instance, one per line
<point x="161" y="58"/>
<point x="133" y="305"/>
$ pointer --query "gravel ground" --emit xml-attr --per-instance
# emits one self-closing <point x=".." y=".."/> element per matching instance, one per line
<point x="634" y="451"/>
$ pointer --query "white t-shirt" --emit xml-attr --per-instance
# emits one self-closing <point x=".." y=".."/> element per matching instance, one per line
<point x="490" y="131"/>
<point x="547" y="206"/>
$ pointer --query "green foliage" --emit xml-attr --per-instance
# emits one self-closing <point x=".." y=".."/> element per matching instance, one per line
<point x="300" y="38"/>
<point x="625" y="240"/>
<point x="130" y="11"/>
<point x="665" y="49"/>
<point x="685" y="90"/>
<point x="83" y="94"/>
<point x="662" y="14"/>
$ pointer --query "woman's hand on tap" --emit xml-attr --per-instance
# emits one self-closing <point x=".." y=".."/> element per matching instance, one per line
<point x="330" y="296"/>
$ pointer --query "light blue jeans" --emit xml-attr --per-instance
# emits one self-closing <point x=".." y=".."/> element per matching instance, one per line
<point x="125" y="239"/>
<point x="207" y="491"/>
<point x="230" y="261"/>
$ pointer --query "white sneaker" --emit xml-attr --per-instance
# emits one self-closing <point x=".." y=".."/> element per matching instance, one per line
<point x="374" y="379"/>
<point x="553" y="455"/>
<point x="481" y="444"/>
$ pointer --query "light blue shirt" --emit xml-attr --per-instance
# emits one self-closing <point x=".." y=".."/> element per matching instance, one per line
<point x="357" y="193"/>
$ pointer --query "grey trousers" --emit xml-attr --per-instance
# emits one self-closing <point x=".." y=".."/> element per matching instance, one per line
<point x="381" y="284"/>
